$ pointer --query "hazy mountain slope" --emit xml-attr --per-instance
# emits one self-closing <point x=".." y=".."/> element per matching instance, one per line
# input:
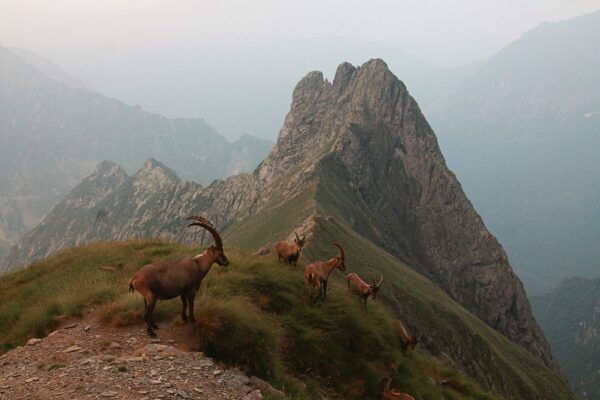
<point x="570" y="316"/>
<point x="521" y="132"/>
<point x="48" y="68"/>
<point x="254" y="86"/>
<point x="356" y="152"/>
<point x="53" y="135"/>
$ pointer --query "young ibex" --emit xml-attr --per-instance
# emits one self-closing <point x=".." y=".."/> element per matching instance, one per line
<point x="393" y="394"/>
<point x="362" y="289"/>
<point x="317" y="273"/>
<point x="408" y="342"/>
<point x="290" y="252"/>
<point x="169" y="279"/>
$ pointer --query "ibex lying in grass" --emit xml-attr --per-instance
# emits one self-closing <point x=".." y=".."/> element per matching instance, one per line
<point x="362" y="289"/>
<point x="392" y="394"/>
<point x="317" y="273"/>
<point x="408" y="342"/>
<point x="290" y="252"/>
<point x="169" y="279"/>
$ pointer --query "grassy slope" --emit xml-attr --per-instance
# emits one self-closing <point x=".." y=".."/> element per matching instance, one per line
<point x="451" y="331"/>
<point x="252" y="313"/>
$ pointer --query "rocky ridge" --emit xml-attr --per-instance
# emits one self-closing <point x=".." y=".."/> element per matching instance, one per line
<point x="367" y="132"/>
<point x="42" y="116"/>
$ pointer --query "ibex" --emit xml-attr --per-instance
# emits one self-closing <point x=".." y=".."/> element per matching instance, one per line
<point x="290" y="252"/>
<point x="169" y="279"/>
<point x="317" y="273"/>
<point x="362" y="289"/>
<point x="408" y="342"/>
<point x="392" y="394"/>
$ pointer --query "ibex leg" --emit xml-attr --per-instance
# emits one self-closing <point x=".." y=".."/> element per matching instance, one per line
<point x="184" y="302"/>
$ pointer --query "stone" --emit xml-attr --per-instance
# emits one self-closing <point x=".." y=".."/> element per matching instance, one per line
<point x="33" y="342"/>
<point x="266" y="388"/>
<point x="72" y="349"/>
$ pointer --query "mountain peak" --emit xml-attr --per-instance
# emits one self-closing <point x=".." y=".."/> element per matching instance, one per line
<point x="106" y="173"/>
<point x="357" y="94"/>
<point x="155" y="170"/>
<point x="367" y="132"/>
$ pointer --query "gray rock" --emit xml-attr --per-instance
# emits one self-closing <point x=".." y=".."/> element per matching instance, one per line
<point x="33" y="341"/>
<point x="72" y="349"/>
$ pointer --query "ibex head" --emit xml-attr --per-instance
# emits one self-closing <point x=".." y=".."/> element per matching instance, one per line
<point x="341" y="265"/>
<point x="216" y="249"/>
<point x="299" y="242"/>
<point x="375" y="286"/>
<point x="414" y="340"/>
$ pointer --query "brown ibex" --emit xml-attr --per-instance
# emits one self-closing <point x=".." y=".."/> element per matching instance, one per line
<point x="317" y="273"/>
<point x="290" y="252"/>
<point x="169" y="279"/>
<point x="392" y="394"/>
<point x="361" y="288"/>
<point x="408" y="342"/>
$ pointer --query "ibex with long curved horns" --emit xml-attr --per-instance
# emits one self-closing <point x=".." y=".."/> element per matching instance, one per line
<point x="169" y="279"/>
<point x="362" y="289"/>
<point x="288" y="252"/>
<point x="317" y="273"/>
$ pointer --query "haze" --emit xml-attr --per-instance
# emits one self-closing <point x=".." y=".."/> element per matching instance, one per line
<point x="234" y="63"/>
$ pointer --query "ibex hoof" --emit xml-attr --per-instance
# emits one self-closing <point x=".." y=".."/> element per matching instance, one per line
<point x="151" y="333"/>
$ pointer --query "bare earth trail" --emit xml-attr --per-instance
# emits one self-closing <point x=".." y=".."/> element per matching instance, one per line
<point x="83" y="359"/>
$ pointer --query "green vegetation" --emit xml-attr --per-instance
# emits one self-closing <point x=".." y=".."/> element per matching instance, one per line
<point x="450" y="331"/>
<point x="252" y="314"/>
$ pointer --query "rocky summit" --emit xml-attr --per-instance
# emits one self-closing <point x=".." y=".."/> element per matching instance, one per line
<point x="355" y="153"/>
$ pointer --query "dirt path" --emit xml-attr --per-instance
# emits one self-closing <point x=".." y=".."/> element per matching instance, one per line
<point x="85" y="360"/>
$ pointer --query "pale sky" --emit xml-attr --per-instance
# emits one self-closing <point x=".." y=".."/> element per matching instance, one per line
<point x="440" y="32"/>
<point x="235" y="63"/>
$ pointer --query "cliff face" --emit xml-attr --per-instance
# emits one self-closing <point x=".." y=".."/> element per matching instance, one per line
<point x="365" y="132"/>
<point x="517" y="137"/>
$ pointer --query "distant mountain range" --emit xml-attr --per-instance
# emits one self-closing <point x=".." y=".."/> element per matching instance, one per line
<point x="355" y="161"/>
<point x="570" y="317"/>
<point x="519" y="128"/>
<point x="54" y="131"/>
<point x="522" y="133"/>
